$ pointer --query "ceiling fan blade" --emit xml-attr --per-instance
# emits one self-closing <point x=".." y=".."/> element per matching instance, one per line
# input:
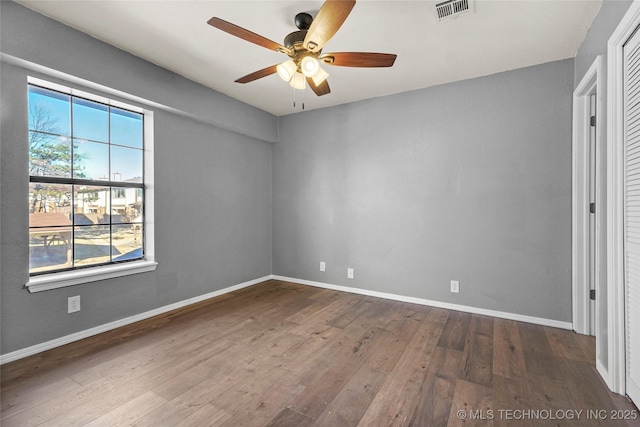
<point x="359" y="59"/>
<point x="330" y="18"/>
<point x="247" y="35"/>
<point x="321" y="89"/>
<point x="258" y="74"/>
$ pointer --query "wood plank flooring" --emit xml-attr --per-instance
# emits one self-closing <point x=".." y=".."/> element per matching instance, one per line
<point x="282" y="354"/>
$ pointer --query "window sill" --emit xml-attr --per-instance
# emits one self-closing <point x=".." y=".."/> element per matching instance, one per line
<point x="60" y="280"/>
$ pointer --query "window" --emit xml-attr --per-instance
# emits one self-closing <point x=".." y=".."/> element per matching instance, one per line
<point x="87" y="189"/>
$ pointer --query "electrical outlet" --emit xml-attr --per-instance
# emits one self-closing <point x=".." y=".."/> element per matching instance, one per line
<point x="349" y="273"/>
<point x="455" y="287"/>
<point x="73" y="304"/>
<point x="323" y="266"/>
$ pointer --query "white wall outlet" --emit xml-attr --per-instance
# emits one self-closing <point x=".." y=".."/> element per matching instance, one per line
<point x="73" y="304"/>
<point x="349" y="273"/>
<point x="455" y="286"/>
<point x="323" y="266"/>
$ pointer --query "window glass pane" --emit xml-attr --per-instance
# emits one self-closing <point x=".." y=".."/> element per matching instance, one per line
<point x="126" y="205"/>
<point x="48" y="111"/>
<point x="49" y="155"/>
<point x="90" y="160"/>
<point x="91" y="205"/>
<point x="126" y="164"/>
<point x="49" y="227"/>
<point x="127" y="242"/>
<point x="49" y="199"/>
<point x="92" y="245"/>
<point x="90" y="120"/>
<point x="126" y="128"/>
<point x="49" y="249"/>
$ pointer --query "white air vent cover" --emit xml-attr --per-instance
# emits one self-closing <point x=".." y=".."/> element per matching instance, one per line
<point x="453" y="8"/>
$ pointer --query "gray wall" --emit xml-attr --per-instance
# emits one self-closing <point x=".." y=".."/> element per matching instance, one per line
<point x="468" y="181"/>
<point x="595" y="44"/>
<point x="212" y="186"/>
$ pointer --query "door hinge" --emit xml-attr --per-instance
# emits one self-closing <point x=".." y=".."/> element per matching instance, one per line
<point x="593" y="120"/>
<point x="592" y="208"/>
<point x="592" y="294"/>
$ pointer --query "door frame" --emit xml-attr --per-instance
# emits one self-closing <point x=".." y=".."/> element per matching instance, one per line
<point x="616" y="374"/>
<point x="591" y="83"/>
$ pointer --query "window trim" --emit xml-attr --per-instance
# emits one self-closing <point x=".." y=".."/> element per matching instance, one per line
<point x="47" y="281"/>
<point x="44" y="282"/>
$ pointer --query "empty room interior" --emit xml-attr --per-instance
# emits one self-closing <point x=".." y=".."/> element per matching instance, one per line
<point x="420" y="213"/>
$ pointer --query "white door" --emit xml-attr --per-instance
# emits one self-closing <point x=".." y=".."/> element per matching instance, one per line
<point x="632" y="213"/>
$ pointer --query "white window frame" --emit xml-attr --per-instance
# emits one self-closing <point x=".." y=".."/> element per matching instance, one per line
<point x="61" y="279"/>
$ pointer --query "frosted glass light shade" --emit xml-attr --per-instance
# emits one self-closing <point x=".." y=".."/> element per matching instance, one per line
<point x="286" y="70"/>
<point x="309" y="66"/>
<point x="320" y="76"/>
<point x="298" y="81"/>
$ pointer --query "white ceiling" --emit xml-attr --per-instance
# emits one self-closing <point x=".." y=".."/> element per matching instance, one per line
<point x="497" y="36"/>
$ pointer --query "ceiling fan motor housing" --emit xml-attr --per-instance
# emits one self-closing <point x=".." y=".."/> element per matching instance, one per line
<point x="295" y="38"/>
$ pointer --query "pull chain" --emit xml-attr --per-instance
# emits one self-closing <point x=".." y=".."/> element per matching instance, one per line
<point x="294" y="98"/>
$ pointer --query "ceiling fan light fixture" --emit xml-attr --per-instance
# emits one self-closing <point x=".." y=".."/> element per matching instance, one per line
<point x="309" y="66"/>
<point x="298" y="81"/>
<point x="286" y="70"/>
<point x="320" y="76"/>
<point x="304" y="47"/>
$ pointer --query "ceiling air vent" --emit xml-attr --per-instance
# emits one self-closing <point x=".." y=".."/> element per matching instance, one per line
<point x="452" y="8"/>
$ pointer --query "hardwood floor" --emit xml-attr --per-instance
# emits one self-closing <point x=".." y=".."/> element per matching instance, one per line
<point x="282" y="354"/>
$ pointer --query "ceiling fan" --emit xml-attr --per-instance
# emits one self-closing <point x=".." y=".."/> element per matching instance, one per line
<point x="304" y="48"/>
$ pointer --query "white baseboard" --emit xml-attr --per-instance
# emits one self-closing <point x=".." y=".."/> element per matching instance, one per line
<point x="465" y="308"/>
<point x="38" y="348"/>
